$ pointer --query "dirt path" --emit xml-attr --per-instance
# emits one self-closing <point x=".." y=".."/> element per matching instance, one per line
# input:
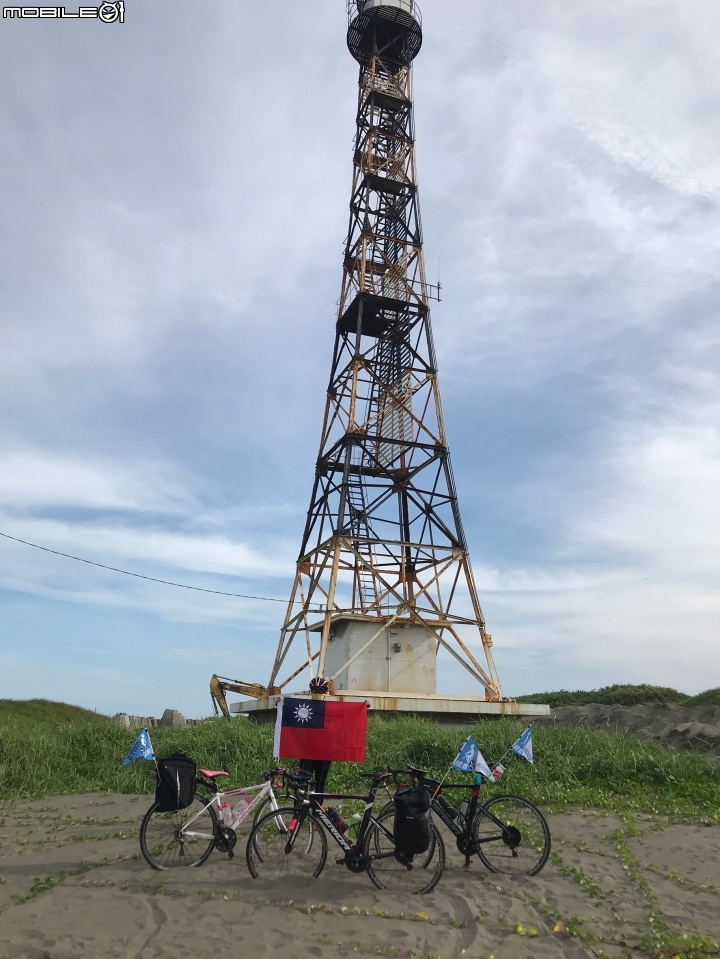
<point x="73" y="887"/>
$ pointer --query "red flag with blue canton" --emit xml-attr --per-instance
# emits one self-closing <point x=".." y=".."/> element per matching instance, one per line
<point x="309" y="728"/>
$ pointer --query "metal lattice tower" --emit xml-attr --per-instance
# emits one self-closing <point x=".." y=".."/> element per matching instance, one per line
<point x="383" y="541"/>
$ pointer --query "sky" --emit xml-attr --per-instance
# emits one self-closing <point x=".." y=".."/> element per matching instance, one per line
<point x="174" y="203"/>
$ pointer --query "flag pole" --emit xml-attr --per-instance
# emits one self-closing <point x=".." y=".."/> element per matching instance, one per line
<point x="443" y="780"/>
<point x="157" y="768"/>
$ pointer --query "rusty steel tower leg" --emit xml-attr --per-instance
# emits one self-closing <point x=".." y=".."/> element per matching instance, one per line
<point x="383" y="548"/>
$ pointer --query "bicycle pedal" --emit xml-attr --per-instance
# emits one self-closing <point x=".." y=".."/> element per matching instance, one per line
<point x="231" y="855"/>
<point x="340" y="861"/>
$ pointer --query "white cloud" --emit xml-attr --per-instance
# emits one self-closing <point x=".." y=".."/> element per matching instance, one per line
<point x="40" y="478"/>
<point x="170" y="254"/>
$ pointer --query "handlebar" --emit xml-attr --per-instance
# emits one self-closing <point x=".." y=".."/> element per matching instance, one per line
<point x="298" y="779"/>
<point x="273" y="773"/>
<point x="412" y="771"/>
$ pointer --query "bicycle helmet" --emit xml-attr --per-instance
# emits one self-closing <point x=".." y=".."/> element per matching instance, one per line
<point x="319" y="686"/>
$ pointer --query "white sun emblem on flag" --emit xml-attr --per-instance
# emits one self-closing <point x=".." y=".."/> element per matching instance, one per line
<point x="303" y="713"/>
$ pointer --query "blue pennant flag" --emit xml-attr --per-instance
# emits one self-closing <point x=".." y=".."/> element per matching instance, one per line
<point x="523" y="745"/>
<point x="141" y="749"/>
<point x="471" y="760"/>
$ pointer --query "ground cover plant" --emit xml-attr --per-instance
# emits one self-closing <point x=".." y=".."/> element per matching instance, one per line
<point x="622" y="694"/>
<point x="711" y="697"/>
<point x="573" y="765"/>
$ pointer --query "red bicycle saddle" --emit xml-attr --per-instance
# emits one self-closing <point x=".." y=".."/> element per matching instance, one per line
<point x="212" y="773"/>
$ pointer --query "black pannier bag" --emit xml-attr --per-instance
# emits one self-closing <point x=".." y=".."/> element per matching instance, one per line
<point x="411" y="829"/>
<point x="176" y="782"/>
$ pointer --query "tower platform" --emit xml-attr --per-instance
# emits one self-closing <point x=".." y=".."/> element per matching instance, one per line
<point x="442" y="709"/>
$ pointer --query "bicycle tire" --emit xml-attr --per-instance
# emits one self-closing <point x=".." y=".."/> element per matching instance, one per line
<point x="267" y="856"/>
<point x="525" y="850"/>
<point x="393" y="875"/>
<point x="262" y="807"/>
<point x="165" y="841"/>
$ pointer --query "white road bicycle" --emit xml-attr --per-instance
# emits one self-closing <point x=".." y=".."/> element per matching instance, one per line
<point x="188" y="836"/>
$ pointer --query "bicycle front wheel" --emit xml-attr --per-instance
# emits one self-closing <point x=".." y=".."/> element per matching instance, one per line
<point x="263" y="808"/>
<point x="283" y="845"/>
<point x="182" y="838"/>
<point x="414" y="874"/>
<point x="511" y="836"/>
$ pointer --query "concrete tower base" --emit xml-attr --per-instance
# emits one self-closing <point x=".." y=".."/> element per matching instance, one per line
<point x="392" y="668"/>
<point x="400" y="660"/>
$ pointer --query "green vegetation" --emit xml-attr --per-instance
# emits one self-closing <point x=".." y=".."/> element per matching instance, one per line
<point x="619" y="694"/>
<point x="573" y="765"/>
<point x="32" y="711"/>
<point x="711" y="697"/>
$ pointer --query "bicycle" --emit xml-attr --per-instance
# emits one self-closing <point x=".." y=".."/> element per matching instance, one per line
<point x="188" y="836"/>
<point x="292" y="841"/>
<point x="508" y="833"/>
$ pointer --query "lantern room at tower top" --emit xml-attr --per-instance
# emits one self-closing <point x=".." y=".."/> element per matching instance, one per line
<point x="400" y="26"/>
<point x="383" y="579"/>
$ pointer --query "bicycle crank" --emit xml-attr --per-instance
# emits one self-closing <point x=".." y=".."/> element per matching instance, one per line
<point x="465" y="846"/>
<point x="225" y="839"/>
<point x="355" y="863"/>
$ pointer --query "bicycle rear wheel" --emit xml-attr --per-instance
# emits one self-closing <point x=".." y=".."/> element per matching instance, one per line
<point x="281" y="845"/>
<point x="522" y="847"/>
<point x="417" y="874"/>
<point x="182" y="838"/>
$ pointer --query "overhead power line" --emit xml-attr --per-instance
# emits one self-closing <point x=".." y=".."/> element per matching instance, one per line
<point x="152" y="579"/>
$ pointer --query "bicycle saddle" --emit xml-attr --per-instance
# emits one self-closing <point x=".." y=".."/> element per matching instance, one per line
<point x="212" y="773"/>
<point x="378" y="776"/>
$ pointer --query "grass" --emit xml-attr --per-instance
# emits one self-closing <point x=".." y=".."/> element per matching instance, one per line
<point x="573" y="765"/>
<point x="32" y="711"/>
<point x="623" y="695"/>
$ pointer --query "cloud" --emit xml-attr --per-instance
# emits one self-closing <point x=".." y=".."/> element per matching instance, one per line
<point x="170" y="257"/>
<point x="39" y="478"/>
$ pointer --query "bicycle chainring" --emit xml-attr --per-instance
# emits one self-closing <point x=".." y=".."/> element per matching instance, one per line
<point x="466" y="845"/>
<point x="225" y="839"/>
<point x="355" y="861"/>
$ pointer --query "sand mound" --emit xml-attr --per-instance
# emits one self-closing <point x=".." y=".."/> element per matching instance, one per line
<point x="684" y="727"/>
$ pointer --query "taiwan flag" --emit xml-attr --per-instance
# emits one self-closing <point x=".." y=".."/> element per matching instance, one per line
<point x="320" y="729"/>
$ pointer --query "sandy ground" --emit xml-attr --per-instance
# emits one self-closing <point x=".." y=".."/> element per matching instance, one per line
<point x="72" y="886"/>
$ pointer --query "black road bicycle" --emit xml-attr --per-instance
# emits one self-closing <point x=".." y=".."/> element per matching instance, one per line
<point x="508" y="833"/>
<point x="291" y="841"/>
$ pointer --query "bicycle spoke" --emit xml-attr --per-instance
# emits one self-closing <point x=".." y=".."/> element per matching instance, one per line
<point x="418" y="875"/>
<point x="522" y="847"/>
<point x="280" y="845"/>
<point x="183" y="838"/>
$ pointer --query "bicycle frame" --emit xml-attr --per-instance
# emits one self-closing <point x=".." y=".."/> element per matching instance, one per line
<point x="464" y="832"/>
<point x="311" y="803"/>
<point x="217" y="798"/>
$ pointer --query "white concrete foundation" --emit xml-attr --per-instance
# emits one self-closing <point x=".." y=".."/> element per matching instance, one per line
<point x="393" y="670"/>
<point x="400" y="660"/>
